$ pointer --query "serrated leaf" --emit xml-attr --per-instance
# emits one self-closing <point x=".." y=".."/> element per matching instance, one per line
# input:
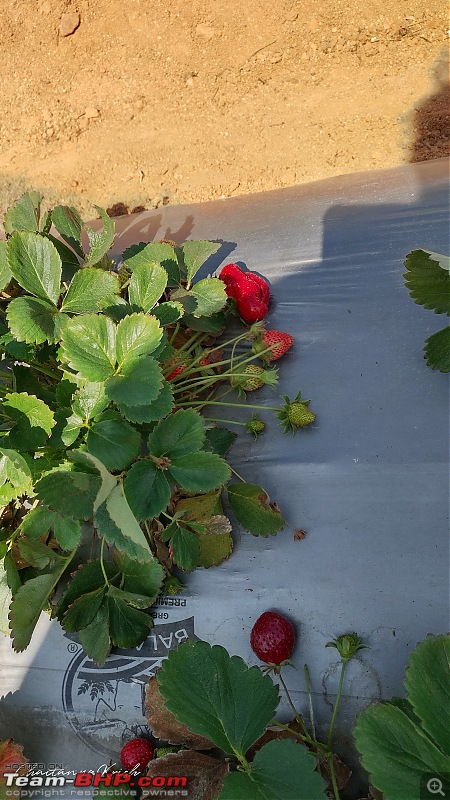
<point x="210" y="295"/>
<point x="72" y="429"/>
<point x="100" y="241"/>
<point x="213" y="324"/>
<point x="428" y="687"/>
<point x="35" y="264"/>
<point x="115" y="521"/>
<point x="68" y="223"/>
<point x="5" y="599"/>
<point x="281" y="770"/>
<point x="219" y="440"/>
<point x="185" y="298"/>
<point x="89" y="400"/>
<point x="186" y="548"/>
<point x="168" y="313"/>
<point x="64" y="393"/>
<point x="159" y="252"/>
<point x="28" y="603"/>
<point x="146" y="489"/>
<point x="144" y="577"/>
<point x="222" y="698"/>
<point x="37" y="553"/>
<point x="89" y="462"/>
<point x="437" y="350"/>
<point x="199" y="472"/>
<point x="89" y="291"/>
<point x="71" y="493"/>
<point x="147" y="284"/>
<point x="194" y="255"/>
<point x="88" y="578"/>
<point x="114" y="442"/>
<point x="396" y="752"/>
<point x="216" y="543"/>
<point x="427" y="281"/>
<point x="23" y="407"/>
<point x="200" y="508"/>
<point x="138" y="383"/>
<point x="88" y="346"/>
<point x="128" y="627"/>
<point x="83" y="610"/>
<point x="5" y="272"/>
<point x="24" y="214"/>
<point x="94" y="639"/>
<point x="69" y="260"/>
<point x="37" y="522"/>
<point x="182" y="433"/>
<point x="137" y="335"/>
<point x="251" y="507"/>
<point x="22" y="352"/>
<point x="15" y="476"/>
<point x="67" y="531"/>
<point x="33" y="320"/>
<point x="12" y="573"/>
<point x="152" y="411"/>
<point x="131" y="598"/>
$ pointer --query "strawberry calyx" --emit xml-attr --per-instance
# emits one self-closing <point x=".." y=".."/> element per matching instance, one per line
<point x="295" y="413"/>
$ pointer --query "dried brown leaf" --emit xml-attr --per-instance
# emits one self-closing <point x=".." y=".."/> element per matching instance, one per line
<point x="205" y="774"/>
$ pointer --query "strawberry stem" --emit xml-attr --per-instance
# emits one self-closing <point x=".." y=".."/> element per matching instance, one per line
<point x="336" y="705"/>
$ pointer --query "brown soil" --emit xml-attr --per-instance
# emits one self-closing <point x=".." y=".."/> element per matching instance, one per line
<point x="168" y="101"/>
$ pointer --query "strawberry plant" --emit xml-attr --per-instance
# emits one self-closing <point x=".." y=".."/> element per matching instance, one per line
<point x="203" y="698"/>
<point x="406" y="740"/>
<point x="428" y="281"/>
<point x="113" y="469"/>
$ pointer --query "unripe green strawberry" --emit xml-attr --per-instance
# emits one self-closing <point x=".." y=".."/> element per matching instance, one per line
<point x="295" y="414"/>
<point x="257" y="377"/>
<point x="255" y="425"/>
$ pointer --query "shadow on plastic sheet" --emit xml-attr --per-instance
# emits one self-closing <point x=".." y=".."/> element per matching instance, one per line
<point x="382" y="567"/>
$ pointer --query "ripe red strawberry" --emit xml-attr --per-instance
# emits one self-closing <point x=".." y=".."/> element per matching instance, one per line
<point x="137" y="753"/>
<point x="251" y="308"/>
<point x="231" y="275"/>
<point x="272" y="638"/>
<point x="261" y="283"/>
<point x="177" y="371"/>
<point x="279" y="341"/>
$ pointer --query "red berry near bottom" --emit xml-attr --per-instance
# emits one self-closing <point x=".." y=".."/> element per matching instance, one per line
<point x="272" y="638"/>
<point x="137" y="753"/>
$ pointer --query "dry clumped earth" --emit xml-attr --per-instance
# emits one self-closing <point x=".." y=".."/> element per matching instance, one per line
<point x="167" y="101"/>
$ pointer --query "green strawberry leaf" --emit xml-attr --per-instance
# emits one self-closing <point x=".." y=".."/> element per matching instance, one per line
<point x="69" y="261"/>
<point x="15" y="476"/>
<point x="116" y="522"/>
<point x="33" y="320"/>
<point x="40" y="520"/>
<point x="128" y="627"/>
<point x="159" y="252"/>
<point x="5" y="599"/>
<point x="22" y="407"/>
<point x="100" y="241"/>
<point x="194" y="254"/>
<point x="222" y="699"/>
<point x="200" y="508"/>
<point x="185" y="545"/>
<point x="213" y="324"/>
<point x="89" y="400"/>
<point x="151" y="411"/>
<point x="131" y="598"/>
<point x="72" y="493"/>
<point x="69" y="224"/>
<point x="185" y="299"/>
<point x="12" y="573"/>
<point x="146" y="490"/>
<point x="5" y="272"/>
<point x="281" y="770"/>
<point x="428" y="280"/>
<point x="94" y="639"/>
<point x="114" y="442"/>
<point x="395" y="751"/>
<point x="23" y="352"/>
<point x="64" y="393"/>
<point x="88" y="346"/>
<point x="24" y="215"/>
<point x="182" y="433"/>
<point x="72" y="429"/>
<point x="37" y="553"/>
<point x="437" y="350"/>
<point x="83" y="610"/>
<point x="35" y="264"/>
<point x="210" y="295"/>
<point x="251" y="507"/>
<point x="199" y="472"/>
<point x="428" y="687"/>
<point x="87" y="579"/>
<point x="216" y="543"/>
<point x="219" y="440"/>
<point x="91" y="464"/>
<point x="137" y="335"/>
<point x="168" y="313"/>
<point x="147" y="284"/>
<point x="138" y="383"/>
<point x="143" y="577"/>
<point x="28" y="603"/>
<point x="89" y="291"/>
